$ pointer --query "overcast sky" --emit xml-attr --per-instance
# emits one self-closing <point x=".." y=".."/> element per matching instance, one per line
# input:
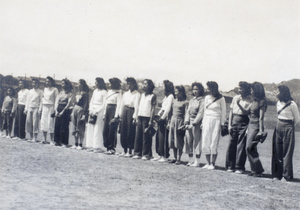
<point x="180" y="40"/>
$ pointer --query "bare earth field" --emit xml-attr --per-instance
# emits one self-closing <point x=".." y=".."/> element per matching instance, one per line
<point x="35" y="176"/>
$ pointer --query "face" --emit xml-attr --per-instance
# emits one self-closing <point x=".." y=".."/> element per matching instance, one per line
<point x="177" y="93"/>
<point x="9" y="92"/>
<point x="48" y="83"/>
<point x="63" y="84"/>
<point x="145" y="86"/>
<point x="196" y="91"/>
<point x="130" y="85"/>
<point x="21" y="85"/>
<point x="241" y="91"/>
<point x="96" y="84"/>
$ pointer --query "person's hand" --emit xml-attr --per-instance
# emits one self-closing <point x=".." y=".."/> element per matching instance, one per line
<point x="134" y="121"/>
<point x="25" y="112"/>
<point x="82" y="118"/>
<point x="150" y="123"/>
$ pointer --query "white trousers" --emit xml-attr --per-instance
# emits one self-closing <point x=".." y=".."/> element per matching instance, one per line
<point x="211" y="133"/>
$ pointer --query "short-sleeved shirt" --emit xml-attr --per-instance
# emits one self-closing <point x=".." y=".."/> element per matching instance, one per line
<point x="244" y="102"/>
<point x="179" y="108"/>
<point x="255" y="107"/>
<point x="64" y="97"/>
<point x="146" y="102"/>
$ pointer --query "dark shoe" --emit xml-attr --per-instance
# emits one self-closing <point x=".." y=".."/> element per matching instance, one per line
<point x="178" y="162"/>
<point x="172" y="161"/>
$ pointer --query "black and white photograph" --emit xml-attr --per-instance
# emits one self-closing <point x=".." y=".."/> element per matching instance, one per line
<point x="149" y="104"/>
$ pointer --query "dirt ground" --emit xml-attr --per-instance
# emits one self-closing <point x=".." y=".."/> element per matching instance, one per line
<point x="35" y="176"/>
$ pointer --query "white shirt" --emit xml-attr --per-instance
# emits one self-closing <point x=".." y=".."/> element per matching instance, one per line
<point x="216" y="109"/>
<point x="22" y="96"/>
<point x="114" y="97"/>
<point x="244" y="102"/>
<point x="289" y="113"/>
<point x="97" y="102"/>
<point x="131" y="99"/>
<point x="146" y="105"/>
<point x="50" y="96"/>
<point x="166" y="106"/>
<point x="34" y="99"/>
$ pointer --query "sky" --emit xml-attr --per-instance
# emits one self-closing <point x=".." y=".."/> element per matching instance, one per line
<point x="226" y="41"/>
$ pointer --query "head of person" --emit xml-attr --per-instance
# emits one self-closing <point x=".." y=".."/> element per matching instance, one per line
<point x="10" y="91"/>
<point x="83" y="87"/>
<point x="244" y="88"/>
<point x="258" y="90"/>
<point x="50" y="82"/>
<point x="148" y="86"/>
<point x="131" y="83"/>
<point x="22" y="84"/>
<point x="197" y="89"/>
<point x="180" y="93"/>
<point x="213" y="89"/>
<point x="115" y="83"/>
<point x="100" y="84"/>
<point x="284" y="94"/>
<point x="168" y="88"/>
<point x="66" y="85"/>
<point x="35" y="83"/>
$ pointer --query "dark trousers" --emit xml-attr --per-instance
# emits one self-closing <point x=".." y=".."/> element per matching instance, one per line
<point x="7" y="122"/>
<point x="251" y="149"/>
<point x="283" y="150"/>
<point x="162" y="142"/>
<point x="127" y="130"/>
<point x="20" y="122"/>
<point x="143" y="142"/>
<point x="110" y="129"/>
<point x="236" y="154"/>
<point x="61" y="130"/>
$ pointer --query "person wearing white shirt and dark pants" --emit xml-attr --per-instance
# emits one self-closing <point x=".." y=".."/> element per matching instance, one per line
<point x="284" y="136"/>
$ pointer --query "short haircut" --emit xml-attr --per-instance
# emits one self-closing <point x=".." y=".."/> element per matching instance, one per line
<point x="115" y="83"/>
<point x="150" y="85"/>
<point x="68" y="85"/>
<point x="51" y="80"/>
<point x="24" y="83"/>
<point x="258" y="90"/>
<point x="133" y="82"/>
<point x="284" y="93"/>
<point x="181" y="91"/>
<point x="214" y="89"/>
<point x="83" y="86"/>
<point x="200" y="88"/>
<point x="101" y="83"/>
<point x="169" y="87"/>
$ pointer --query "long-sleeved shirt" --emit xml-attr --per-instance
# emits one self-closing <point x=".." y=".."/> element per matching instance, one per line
<point x="34" y="99"/>
<point x="22" y="96"/>
<point x="291" y="112"/>
<point x="166" y="106"/>
<point x="97" y="102"/>
<point x="9" y="104"/>
<point x="114" y="97"/>
<point x="195" y="110"/>
<point x="215" y="109"/>
<point x="50" y="96"/>
<point x="131" y="99"/>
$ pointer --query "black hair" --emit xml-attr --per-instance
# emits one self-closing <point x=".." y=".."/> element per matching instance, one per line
<point x="101" y="83"/>
<point x="52" y="82"/>
<point x="258" y="90"/>
<point x="36" y="81"/>
<point x="181" y="91"/>
<point x="169" y="87"/>
<point x="68" y="85"/>
<point x="115" y="83"/>
<point x="246" y="86"/>
<point x="83" y="86"/>
<point x="151" y="85"/>
<point x="214" y="89"/>
<point x="133" y="82"/>
<point x="200" y="88"/>
<point x="24" y="83"/>
<point x="284" y="93"/>
<point x="12" y="90"/>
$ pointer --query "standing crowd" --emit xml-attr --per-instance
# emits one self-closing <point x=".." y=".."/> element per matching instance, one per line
<point x="196" y="125"/>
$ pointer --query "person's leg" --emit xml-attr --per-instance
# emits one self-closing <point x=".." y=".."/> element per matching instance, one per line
<point x="147" y="139"/>
<point x="288" y="151"/>
<point x="189" y="146"/>
<point x="138" y="142"/>
<point x="197" y="144"/>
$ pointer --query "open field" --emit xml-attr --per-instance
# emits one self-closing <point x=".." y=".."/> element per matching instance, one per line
<point x="35" y="176"/>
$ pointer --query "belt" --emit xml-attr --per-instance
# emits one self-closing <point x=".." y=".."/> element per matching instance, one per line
<point x="111" y="104"/>
<point x="131" y="107"/>
<point x="287" y="121"/>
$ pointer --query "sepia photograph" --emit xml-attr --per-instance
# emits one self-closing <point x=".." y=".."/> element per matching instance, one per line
<point x="149" y="104"/>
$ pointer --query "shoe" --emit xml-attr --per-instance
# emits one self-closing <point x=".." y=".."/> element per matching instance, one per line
<point x="136" y="157"/>
<point x="189" y="164"/>
<point x="128" y="155"/>
<point x="79" y="148"/>
<point x="257" y="175"/>
<point x="178" y="162"/>
<point x="122" y="154"/>
<point x="156" y="159"/>
<point x="195" y="164"/>
<point x="89" y="149"/>
<point x="145" y="158"/>
<point x="15" y="138"/>
<point x="239" y="171"/>
<point x="96" y="151"/>
<point x="3" y="136"/>
<point x="205" y="166"/>
<point x="8" y="137"/>
<point x="162" y="160"/>
<point x="52" y="144"/>
<point x="64" y="146"/>
<point x="109" y="152"/>
<point x="211" y="167"/>
<point x="33" y="141"/>
<point x="73" y="147"/>
<point x="275" y="179"/>
<point x="230" y="170"/>
<point x="172" y="161"/>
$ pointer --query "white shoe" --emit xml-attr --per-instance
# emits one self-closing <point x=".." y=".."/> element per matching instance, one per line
<point x="79" y="148"/>
<point x="230" y="170"/>
<point x="156" y="159"/>
<point x="239" y="172"/>
<point x="73" y="147"/>
<point x="211" y="167"/>
<point x="52" y="144"/>
<point x="127" y="155"/>
<point x="136" y="157"/>
<point x="195" y="164"/>
<point x="3" y="136"/>
<point x="206" y="166"/>
<point x="64" y="146"/>
<point x="122" y="154"/>
<point x="145" y="158"/>
<point x="162" y="160"/>
<point x="15" y="138"/>
<point x="8" y="137"/>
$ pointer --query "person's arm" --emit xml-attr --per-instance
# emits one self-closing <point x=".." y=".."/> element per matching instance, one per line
<point x="169" y="102"/>
<point x="295" y="112"/>
<point x="223" y="110"/>
<point x="230" y="120"/>
<point x="261" y="119"/>
<point x="152" y="112"/>
<point x="245" y="110"/>
<point x="41" y="94"/>
<point x="55" y="107"/>
<point x="119" y="101"/>
<point x="4" y="101"/>
<point x="199" y="115"/>
<point x="136" y="106"/>
<point x="15" y="104"/>
<point x="187" y="114"/>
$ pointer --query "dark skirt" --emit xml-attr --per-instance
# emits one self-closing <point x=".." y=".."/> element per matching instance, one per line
<point x="20" y="122"/>
<point x="61" y="131"/>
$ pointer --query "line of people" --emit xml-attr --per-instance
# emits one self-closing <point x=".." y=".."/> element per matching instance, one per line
<point x="197" y="124"/>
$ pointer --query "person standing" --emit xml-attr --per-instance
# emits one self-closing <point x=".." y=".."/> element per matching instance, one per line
<point x="177" y="131"/>
<point x="164" y="114"/>
<point x="143" y="140"/>
<point x="48" y="112"/>
<point x="33" y="110"/>
<point x="1" y="102"/>
<point x="128" y="113"/>
<point x="213" y="119"/>
<point x="193" y="121"/>
<point x="284" y="135"/>
<point x="62" y="114"/>
<point x="94" y="135"/>
<point x="9" y="108"/>
<point x="111" y="116"/>
<point x="20" y="119"/>
<point x="80" y="114"/>
<point x="237" y="126"/>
